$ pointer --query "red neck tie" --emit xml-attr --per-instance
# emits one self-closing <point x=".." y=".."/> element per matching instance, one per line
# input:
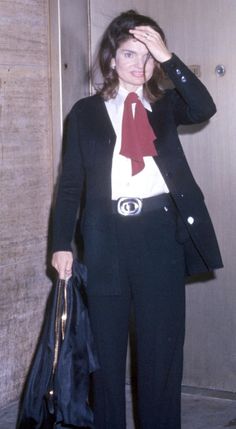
<point x="137" y="134"/>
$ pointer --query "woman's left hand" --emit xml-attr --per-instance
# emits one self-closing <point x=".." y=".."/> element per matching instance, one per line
<point x="153" y="41"/>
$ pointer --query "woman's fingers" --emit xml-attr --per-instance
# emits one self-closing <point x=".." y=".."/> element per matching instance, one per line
<point x="153" y="41"/>
<point x="68" y="269"/>
<point x="147" y="33"/>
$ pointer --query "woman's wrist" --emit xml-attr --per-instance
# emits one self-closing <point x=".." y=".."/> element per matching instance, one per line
<point x="166" y="58"/>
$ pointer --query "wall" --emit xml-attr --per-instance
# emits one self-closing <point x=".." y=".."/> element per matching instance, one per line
<point x="74" y="51"/>
<point x="26" y="184"/>
<point x="69" y="37"/>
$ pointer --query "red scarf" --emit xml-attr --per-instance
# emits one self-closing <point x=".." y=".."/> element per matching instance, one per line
<point x="137" y="134"/>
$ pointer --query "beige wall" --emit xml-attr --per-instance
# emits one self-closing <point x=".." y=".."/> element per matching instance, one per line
<point x="74" y="51"/>
<point x="26" y="183"/>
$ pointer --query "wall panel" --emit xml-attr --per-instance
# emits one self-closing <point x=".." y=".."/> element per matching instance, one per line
<point x="26" y="184"/>
<point x="74" y="51"/>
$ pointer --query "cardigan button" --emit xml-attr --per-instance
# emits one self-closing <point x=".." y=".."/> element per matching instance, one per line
<point x="190" y="220"/>
<point x="178" y="72"/>
<point x="183" y="79"/>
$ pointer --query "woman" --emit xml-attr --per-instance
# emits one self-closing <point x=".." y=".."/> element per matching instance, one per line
<point x="144" y="224"/>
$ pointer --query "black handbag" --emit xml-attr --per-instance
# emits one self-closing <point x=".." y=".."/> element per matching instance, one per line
<point x="57" y="387"/>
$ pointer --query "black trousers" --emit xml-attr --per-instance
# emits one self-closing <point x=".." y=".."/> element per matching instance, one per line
<point x="152" y="280"/>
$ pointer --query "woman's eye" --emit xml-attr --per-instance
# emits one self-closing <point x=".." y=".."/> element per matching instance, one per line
<point x="128" y="54"/>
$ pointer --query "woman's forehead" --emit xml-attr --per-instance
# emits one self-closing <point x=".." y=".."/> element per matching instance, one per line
<point x="133" y="45"/>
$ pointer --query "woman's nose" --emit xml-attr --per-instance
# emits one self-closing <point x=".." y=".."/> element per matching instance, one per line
<point x="140" y="62"/>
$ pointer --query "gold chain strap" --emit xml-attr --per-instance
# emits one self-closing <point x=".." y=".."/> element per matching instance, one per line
<point x="60" y="320"/>
<point x="59" y="330"/>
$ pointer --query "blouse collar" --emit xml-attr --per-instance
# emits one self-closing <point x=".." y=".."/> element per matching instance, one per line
<point x="122" y="94"/>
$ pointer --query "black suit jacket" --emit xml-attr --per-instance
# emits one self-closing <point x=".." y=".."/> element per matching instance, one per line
<point x="90" y="140"/>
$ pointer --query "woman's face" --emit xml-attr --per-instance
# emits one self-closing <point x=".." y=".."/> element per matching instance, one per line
<point x="134" y="64"/>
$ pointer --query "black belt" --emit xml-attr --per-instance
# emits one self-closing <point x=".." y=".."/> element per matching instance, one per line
<point x="135" y="206"/>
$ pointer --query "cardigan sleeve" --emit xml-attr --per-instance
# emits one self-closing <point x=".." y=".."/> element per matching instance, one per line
<point x="191" y="101"/>
<point x="69" y="187"/>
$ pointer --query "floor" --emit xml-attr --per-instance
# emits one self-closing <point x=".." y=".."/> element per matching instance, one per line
<point x="199" y="411"/>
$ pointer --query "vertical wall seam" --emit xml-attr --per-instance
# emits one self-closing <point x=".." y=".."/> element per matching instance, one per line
<point x="56" y="82"/>
<point x="89" y="47"/>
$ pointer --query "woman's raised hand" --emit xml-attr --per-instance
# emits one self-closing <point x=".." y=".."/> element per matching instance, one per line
<point x="153" y="41"/>
<point x="62" y="262"/>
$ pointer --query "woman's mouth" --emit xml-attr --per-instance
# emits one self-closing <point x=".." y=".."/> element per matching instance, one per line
<point x="137" y="74"/>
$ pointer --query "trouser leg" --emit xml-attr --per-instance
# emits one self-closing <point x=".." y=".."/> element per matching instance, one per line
<point x="157" y="283"/>
<point x="109" y="317"/>
<point x="159" y="361"/>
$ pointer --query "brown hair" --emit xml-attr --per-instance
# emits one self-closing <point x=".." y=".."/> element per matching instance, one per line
<point x="116" y="34"/>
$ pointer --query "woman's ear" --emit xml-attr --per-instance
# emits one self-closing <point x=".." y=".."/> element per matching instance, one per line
<point x="113" y="63"/>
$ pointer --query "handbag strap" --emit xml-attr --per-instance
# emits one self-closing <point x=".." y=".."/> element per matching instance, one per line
<point x="59" y="335"/>
<point x="60" y="320"/>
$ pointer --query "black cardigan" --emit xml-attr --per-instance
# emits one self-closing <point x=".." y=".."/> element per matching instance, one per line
<point x="89" y="145"/>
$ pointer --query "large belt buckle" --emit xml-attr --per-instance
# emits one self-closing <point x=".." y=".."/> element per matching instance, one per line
<point x="129" y="206"/>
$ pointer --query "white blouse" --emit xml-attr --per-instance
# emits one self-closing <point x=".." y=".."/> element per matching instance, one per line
<point x="146" y="183"/>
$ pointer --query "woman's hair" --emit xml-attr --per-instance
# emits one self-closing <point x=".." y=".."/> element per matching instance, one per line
<point x="116" y="34"/>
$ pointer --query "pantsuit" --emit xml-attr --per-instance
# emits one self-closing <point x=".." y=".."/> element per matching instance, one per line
<point x="140" y="261"/>
<point x="152" y="272"/>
